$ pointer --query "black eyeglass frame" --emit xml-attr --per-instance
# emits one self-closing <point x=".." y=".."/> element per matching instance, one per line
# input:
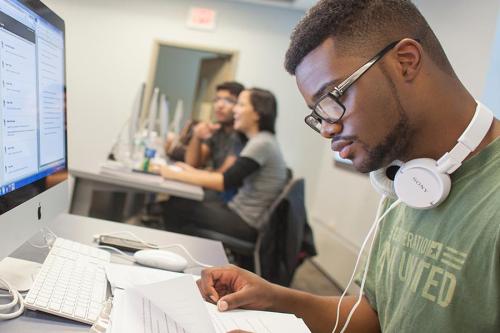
<point x="340" y="90"/>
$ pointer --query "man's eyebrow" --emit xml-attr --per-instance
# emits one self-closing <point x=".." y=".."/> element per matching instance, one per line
<point x="322" y="91"/>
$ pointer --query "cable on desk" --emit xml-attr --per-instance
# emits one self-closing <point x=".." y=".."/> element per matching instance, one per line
<point x="158" y="247"/>
<point x="17" y="301"/>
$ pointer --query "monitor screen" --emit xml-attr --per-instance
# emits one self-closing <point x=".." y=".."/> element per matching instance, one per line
<point x="33" y="153"/>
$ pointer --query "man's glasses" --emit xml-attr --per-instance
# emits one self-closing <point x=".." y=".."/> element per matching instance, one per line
<point x="225" y="100"/>
<point x="329" y="108"/>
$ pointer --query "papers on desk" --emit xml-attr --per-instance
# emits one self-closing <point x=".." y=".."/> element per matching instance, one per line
<point x="128" y="174"/>
<point x="127" y="276"/>
<point x="173" y="187"/>
<point x="175" y="305"/>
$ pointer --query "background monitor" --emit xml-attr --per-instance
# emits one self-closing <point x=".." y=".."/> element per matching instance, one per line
<point x="33" y="139"/>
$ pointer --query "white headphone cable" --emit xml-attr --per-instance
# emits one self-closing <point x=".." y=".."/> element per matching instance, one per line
<point x="17" y="300"/>
<point x="373" y="230"/>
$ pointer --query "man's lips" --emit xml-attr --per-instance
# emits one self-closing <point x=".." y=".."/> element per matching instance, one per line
<point x="342" y="146"/>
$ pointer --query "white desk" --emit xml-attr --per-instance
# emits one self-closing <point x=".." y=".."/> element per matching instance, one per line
<point x="124" y="181"/>
<point x="82" y="229"/>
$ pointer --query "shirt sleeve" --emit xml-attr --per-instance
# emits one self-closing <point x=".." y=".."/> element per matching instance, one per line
<point x="242" y="168"/>
<point x="258" y="149"/>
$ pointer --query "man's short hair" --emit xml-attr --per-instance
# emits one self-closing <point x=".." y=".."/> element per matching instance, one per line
<point x="234" y="88"/>
<point x="362" y="28"/>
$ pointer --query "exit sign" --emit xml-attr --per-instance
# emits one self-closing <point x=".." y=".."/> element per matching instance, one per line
<point x="201" y="18"/>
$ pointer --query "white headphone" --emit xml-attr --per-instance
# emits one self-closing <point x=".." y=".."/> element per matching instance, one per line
<point x="425" y="183"/>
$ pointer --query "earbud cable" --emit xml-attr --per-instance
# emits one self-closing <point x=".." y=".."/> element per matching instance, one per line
<point x="373" y="230"/>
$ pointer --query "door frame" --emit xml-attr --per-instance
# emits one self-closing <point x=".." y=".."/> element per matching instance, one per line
<point x="157" y="43"/>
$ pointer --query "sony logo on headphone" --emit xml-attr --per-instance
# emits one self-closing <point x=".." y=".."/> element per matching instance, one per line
<point x="419" y="184"/>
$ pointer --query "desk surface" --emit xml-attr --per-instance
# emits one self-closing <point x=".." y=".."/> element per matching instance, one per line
<point x="144" y="182"/>
<point x="82" y="229"/>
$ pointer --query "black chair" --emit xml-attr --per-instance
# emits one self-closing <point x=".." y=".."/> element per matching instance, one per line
<point x="270" y="223"/>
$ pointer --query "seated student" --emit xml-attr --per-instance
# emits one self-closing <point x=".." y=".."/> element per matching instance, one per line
<point x="217" y="145"/>
<point x="259" y="172"/>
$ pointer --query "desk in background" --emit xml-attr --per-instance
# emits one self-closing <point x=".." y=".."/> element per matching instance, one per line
<point x="130" y="183"/>
<point x="82" y="229"/>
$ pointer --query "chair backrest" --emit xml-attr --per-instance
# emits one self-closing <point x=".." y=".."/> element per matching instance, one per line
<point x="289" y="187"/>
<point x="284" y="193"/>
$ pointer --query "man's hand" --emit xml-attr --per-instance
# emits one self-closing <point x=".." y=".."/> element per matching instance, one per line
<point x="232" y="287"/>
<point x="205" y="130"/>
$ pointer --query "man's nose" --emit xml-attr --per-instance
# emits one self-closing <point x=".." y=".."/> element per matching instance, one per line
<point x="329" y="130"/>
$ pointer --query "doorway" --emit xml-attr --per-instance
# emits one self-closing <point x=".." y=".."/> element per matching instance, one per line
<point x="189" y="74"/>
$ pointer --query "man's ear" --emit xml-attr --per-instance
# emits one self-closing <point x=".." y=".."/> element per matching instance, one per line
<point x="409" y="55"/>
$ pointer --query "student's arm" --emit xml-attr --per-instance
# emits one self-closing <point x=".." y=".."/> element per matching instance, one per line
<point x="233" y="287"/>
<point x="232" y="178"/>
<point x="232" y="157"/>
<point x="197" y="152"/>
<point x="206" y="179"/>
<point x="228" y="162"/>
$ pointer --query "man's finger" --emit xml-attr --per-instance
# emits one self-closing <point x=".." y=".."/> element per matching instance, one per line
<point x="234" y="300"/>
<point x="207" y="286"/>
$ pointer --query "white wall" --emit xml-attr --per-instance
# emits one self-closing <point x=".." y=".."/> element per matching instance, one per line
<point x="491" y="97"/>
<point x="344" y="204"/>
<point x="109" y="46"/>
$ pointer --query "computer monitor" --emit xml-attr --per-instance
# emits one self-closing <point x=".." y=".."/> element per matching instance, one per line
<point x="33" y="141"/>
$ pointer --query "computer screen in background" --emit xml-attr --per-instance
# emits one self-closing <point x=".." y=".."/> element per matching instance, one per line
<point x="33" y="153"/>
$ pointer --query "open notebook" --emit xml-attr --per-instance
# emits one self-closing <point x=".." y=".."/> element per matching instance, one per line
<point x="176" y="306"/>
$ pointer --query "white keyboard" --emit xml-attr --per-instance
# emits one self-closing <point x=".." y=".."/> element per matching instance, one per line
<point x="71" y="283"/>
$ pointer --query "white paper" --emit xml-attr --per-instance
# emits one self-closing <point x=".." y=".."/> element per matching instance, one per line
<point x="181" y="300"/>
<point x="175" y="304"/>
<point x="127" y="276"/>
<point x="255" y="321"/>
<point x="142" y="316"/>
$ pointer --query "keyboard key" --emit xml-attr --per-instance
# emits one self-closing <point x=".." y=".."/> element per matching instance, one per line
<point x="72" y="281"/>
<point x="80" y="311"/>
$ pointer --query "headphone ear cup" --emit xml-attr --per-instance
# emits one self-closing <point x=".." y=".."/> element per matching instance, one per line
<point x="419" y="184"/>
<point x="382" y="184"/>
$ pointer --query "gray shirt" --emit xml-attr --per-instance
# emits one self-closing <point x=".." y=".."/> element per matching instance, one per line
<point x="262" y="187"/>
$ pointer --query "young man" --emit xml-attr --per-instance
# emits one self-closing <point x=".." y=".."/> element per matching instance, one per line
<point x="218" y="142"/>
<point x="408" y="104"/>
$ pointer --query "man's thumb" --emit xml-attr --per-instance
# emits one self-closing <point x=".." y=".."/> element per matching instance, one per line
<point x="233" y="301"/>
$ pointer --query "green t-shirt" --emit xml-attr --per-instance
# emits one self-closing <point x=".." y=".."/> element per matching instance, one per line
<point x="438" y="270"/>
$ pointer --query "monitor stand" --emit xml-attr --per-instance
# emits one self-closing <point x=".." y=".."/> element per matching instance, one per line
<point x="19" y="273"/>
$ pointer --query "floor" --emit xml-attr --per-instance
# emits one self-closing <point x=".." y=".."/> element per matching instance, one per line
<point x="311" y="279"/>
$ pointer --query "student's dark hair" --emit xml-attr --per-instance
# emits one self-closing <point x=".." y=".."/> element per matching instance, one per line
<point x="234" y="88"/>
<point x="362" y="28"/>
<point x="265" y="104"/>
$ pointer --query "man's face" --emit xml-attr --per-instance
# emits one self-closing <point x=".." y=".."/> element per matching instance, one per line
<point x="374" y="129"/>
<point x="223" y="106"/>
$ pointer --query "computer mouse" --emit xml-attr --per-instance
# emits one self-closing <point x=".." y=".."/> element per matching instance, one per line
<point x="161" y="259"/>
